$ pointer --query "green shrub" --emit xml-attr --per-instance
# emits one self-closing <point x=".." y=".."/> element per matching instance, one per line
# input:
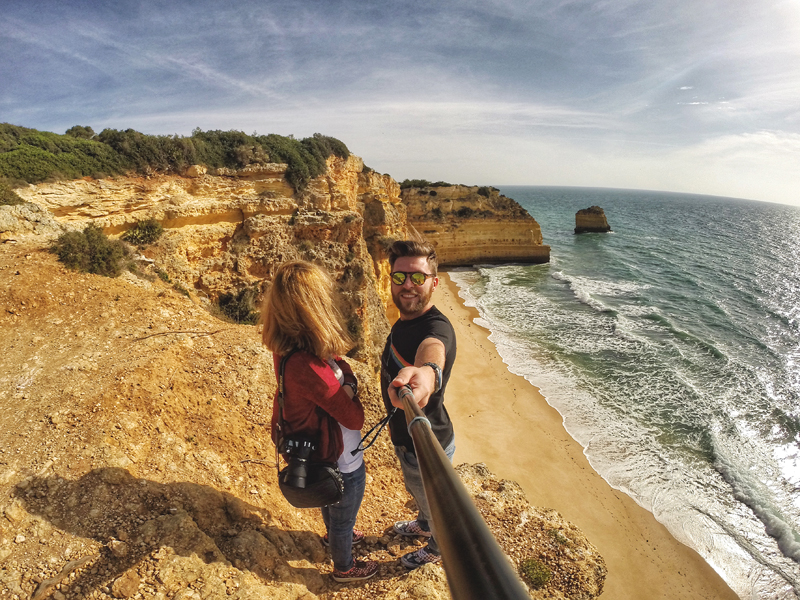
<point x="464" y="212"/>
<point x="240" y="307"/>
<point x="90" y="251"/>
<point x="422" y="183"/>
<point x="36" y="156"/>
<point x="414" y="183"/>
<point x="484" y="191"/>
<point x="144" y="233"/>
<point x="80" y="131"/>
<point x="559" y="537"/>
<point x="535" y="573"/>
<point x="8" y="197"/>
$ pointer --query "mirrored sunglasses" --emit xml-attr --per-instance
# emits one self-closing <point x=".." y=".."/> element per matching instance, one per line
<point x="417" y="278"/>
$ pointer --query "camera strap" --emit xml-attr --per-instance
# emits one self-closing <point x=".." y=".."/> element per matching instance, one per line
<point x="382" y="423"/>
<point x="281" y="423"/>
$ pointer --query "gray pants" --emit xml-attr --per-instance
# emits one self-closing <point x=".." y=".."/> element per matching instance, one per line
<point x="413" y="481"/>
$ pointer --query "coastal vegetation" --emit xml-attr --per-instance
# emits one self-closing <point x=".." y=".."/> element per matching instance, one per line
<point x="90" y="251"/>
<point x="32" y="156"/>
<point x="144" y="233"/>
<point x="240" y="307"/>
<point x="8" y="197"/>
<point x="422" y="183"/>
<point x="535" y="573"/>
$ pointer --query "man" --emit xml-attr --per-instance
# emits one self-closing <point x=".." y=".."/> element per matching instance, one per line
<point x="419" y="352"/>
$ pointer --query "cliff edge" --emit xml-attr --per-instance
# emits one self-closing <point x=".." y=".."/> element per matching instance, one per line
<point x="134" y="443"/>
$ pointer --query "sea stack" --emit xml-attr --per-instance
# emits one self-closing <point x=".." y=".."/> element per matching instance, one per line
<point x="591" y="220"/>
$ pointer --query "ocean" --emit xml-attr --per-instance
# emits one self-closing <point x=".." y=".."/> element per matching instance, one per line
<point x="671" y="347"/>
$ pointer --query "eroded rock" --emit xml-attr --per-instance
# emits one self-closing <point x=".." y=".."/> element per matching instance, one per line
<point x="591" y="220"/>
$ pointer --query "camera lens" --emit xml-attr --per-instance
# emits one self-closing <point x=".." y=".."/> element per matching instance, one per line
<point x="298" y="472"/>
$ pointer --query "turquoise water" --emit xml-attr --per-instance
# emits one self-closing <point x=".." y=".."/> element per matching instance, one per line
<point x="671" y="346"/>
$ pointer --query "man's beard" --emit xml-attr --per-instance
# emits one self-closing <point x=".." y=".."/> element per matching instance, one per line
<point x="411" y="307"/>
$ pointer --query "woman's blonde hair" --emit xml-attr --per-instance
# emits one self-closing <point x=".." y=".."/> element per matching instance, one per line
<point x="299" y="313"/>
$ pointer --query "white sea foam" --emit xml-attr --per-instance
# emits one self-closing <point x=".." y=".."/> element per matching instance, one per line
<point x="642" y="377"/>
<point x="751" y="492"/>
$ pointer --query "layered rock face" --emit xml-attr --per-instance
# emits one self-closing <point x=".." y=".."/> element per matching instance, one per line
<point x="591" y="220"/>
<point x="470" y="225"/>
<point x="230" y="231"/>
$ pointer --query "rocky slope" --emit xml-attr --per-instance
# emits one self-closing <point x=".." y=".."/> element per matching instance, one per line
<point x="470" y="225"/>
<point x="134" y="455"/>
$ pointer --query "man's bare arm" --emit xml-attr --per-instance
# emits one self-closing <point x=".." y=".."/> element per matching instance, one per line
<point x="421" y="379"/>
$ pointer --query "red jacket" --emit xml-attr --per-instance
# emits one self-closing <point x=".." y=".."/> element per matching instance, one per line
<point x="309" y="384"/>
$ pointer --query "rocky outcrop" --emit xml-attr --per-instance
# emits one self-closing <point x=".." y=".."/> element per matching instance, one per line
<point x="539" y="535"/>
<point x="132" y="421"/>
<point x="229" y="231"/>
<point x="591" y="220"/>
<point x="27" y="218"/>
<point x="470" y="225"/>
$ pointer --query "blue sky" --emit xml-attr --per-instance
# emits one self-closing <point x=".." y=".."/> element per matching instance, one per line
<point x="695" y="96"/>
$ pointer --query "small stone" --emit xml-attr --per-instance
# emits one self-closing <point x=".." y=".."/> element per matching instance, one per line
<point x="118" y="548"/>
<point x="20" y="539"/>
<point x="126" y="586"/>
<point x="59" y="596"/>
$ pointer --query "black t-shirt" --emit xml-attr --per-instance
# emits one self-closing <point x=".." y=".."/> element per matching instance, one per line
<point x="399" y="352"/>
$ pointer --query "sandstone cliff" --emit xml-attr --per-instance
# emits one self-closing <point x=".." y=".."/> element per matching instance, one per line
<point x="470" y="225"/>
<point x="591" y="220"/>
<point x="133" y="422"/>
<point x="228" y="232"/>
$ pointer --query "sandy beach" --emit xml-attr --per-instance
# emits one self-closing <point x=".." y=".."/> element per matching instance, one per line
<point x="502" y="420"/>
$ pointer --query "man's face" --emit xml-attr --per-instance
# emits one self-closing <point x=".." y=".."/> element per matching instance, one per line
<point x="413" y="300"/>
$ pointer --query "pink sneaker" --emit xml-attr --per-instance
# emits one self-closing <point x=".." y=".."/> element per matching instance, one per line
<point x="358" y="536"/>
<point x="360" y="570"/>
<point x="411" y="528"/>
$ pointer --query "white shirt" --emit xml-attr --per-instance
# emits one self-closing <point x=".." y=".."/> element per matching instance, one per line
<point x="352" y="438"/>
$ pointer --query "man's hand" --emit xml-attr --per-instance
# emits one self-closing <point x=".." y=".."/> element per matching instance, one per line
<point x="422" y="381"/>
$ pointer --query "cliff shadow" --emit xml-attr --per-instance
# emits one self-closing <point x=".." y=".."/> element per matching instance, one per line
<point x="144" y="526"/>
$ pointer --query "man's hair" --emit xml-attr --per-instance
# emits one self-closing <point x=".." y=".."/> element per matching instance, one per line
<point x="299" y="312"/>
<point x="414" y="248"/>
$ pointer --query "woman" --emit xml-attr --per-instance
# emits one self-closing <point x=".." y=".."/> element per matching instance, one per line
<point x="299" y="315"/>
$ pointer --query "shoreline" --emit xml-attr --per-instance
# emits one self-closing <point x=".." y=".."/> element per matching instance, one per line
<point x="527" y="442"/>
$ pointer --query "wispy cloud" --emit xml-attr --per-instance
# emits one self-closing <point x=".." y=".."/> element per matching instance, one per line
<point x="591" y="82"/>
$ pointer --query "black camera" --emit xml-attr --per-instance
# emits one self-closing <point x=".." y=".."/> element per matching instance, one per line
<point x="297" y="450"/>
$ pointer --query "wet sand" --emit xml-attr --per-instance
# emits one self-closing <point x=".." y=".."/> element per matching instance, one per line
<point x="502" y="420"/>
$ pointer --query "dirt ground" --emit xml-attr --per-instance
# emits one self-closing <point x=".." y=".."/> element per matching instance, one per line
<point x="135" y="458"/>
<point x="128" y="378"/>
